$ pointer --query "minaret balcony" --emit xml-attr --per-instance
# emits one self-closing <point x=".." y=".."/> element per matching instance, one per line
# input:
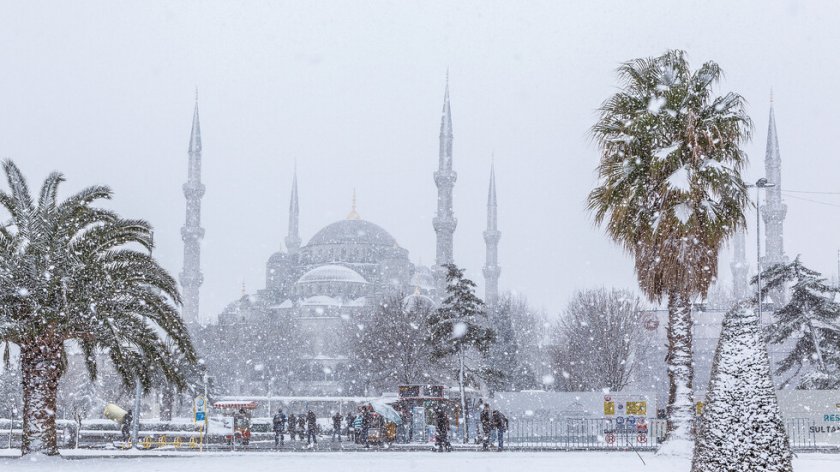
<point x="444" y="223"/>
<point x="445" y="179"/>
<point x="492" y="236"/>
<point x="191" y="233"/>
<point x="193" y="190"/>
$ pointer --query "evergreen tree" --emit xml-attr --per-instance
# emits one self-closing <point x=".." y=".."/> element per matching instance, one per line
<point x="459" y="326"/>
<point x="741" y="427"/>
<point x="810" y="320"/>
<point x="671" y="193"/>
<point x="69" y="271"/>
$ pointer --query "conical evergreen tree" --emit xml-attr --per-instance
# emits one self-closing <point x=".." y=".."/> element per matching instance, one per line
<point x="741" y="427"/>
<point x="459" y="325"/>
<point x="811" y="319"/>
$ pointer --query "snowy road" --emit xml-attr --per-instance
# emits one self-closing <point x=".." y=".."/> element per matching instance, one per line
<point x="391" y="462"/>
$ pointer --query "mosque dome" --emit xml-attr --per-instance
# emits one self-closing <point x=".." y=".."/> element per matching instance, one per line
<point x="352" y="231"/>
<point x="332" y="273"/>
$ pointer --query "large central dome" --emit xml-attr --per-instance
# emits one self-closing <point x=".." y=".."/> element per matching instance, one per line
<point x="353" y="232"/>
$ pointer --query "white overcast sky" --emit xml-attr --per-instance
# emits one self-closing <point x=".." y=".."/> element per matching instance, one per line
<point x="103" y="91"/>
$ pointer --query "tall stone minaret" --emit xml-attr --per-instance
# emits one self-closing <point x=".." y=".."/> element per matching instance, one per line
<point x="739" y="265"/>
<point x="192" y="232"/>
<point x="491" y="239"/>
<point x="293" y="238"/>
<point x="445" y="221"/>
<point x="773" y="211"/>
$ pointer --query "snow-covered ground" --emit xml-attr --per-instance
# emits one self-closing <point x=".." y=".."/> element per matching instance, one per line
<point x="375" y="461"/>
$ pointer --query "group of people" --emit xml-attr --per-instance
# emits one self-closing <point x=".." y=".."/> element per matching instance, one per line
<point x="300" y="425"/>
<point x="306" y="425"/>
<point x="492" y="421"/>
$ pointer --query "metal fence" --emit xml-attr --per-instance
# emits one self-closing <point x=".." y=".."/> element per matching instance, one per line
<point x="530" y="433"/>
<point x="614" y="433"/>
<point x="585" y="433"/>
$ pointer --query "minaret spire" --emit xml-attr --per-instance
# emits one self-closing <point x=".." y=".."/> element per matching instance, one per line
<point x="739" y="265"/>
<point x="192" y="232"/>
<point x="293" y="238"/>
<point x="444" y="222"/>
<point x="491" y="240"/>
<point x="773" y="212"/>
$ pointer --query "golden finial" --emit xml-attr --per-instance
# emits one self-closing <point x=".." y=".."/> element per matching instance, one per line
<point x="243" y="288"/>
<point x="416" y="290"/>
<point x="771" y="95"/>
<point x="354" y="215"/>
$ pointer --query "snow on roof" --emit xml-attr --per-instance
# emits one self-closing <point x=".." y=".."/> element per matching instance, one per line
<point x="361" y="301"/>
<point x="321" y="300"/>
<point x="332" y="273"/>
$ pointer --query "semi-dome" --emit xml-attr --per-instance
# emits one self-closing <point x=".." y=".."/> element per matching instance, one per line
<point x="332" y="273"/>
<point x="354" y="232"/>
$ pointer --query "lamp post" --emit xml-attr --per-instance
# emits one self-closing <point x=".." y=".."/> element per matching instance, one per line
<point x="759" y="184"/>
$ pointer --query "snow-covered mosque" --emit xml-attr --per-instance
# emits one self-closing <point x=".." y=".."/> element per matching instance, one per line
<point x="318" y="292"/>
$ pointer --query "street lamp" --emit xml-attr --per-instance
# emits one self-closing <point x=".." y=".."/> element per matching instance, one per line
<point x="759" y="184"/>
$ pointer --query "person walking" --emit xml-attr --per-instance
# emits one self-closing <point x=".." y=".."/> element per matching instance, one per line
<point x="442" y="436"/>
<point x="486" y="426"/>
<point x="278" y="424"/>
<point x="311" y="429"/>
<point x="336" y="426"/>
<point x="125" y="428"/>
<point x="365" y="426"/>
<point x="301" y="427"/>
<point x="292" y="424"/>
<point x="500" y="423"/>
<point x="350" y="419"/>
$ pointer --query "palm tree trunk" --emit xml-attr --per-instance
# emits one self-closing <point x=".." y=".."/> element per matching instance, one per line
<point x="680" y="410"/>
<point x="41" y="369"/>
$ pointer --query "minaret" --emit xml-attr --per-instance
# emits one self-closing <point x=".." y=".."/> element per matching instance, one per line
<point x="293" y="238"/>
<point x="491" y="239"/>
<point x="739" y="265"/>
<point x="444" y="222"/>
<point x="773" y="211"/>
<point x="192" y="232"/>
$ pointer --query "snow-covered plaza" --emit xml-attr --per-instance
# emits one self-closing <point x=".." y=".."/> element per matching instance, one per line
<point x="376" y="461"/>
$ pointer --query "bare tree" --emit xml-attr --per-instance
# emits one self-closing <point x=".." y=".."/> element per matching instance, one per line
<point x="600" y="341"/>
<point x="392" y="347"/>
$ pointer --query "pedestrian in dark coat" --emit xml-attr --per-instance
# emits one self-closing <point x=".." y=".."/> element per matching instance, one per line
<point x="301" y="426"/>
<point x="500" y="422"/>
<point x="365" y="426"/>
<point x="292" y="425"/>
<point x="486" y="426"/>
<point x="442" y="425"/>
<point x="311" y="428"/>
<point x="125" y="428"/>
<point x="350" y="419"/>
<point x="278" y="425"/>
<point x="336" y="426"/>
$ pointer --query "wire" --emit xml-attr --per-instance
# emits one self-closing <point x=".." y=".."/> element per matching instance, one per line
<point x="812" y="201"/>
<point x="806" y="191"/>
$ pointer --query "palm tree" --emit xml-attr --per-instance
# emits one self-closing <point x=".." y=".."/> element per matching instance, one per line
<point x="671" y="193"/>
<point x="71" y="272"/>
